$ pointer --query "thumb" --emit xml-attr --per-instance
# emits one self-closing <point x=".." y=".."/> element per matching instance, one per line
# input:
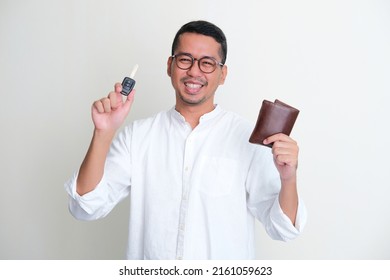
<point x="129" y="101"/>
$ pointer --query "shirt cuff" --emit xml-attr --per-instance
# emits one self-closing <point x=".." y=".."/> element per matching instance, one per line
<point x="85" y="205"/>
<point x="283" y="224"/>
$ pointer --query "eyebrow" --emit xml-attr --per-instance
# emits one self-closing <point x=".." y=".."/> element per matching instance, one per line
<point x="208" y="56"/>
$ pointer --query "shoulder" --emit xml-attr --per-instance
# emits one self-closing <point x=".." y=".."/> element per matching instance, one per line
<point x="237" y="122"/>
<point x="148" y="121"/>
<point x="160" y="116"/>
<point x="146" y="125"/>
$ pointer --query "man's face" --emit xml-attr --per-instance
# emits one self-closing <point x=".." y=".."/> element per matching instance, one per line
<point x="192" y="86"/>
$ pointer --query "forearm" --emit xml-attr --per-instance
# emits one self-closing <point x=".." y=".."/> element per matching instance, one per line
<point x="288" y="199"/>
<point x="92" y="168"/>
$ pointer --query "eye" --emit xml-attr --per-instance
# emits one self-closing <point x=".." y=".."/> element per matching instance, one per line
<point x="207" y="63"/>
<point x="184" y="59"/>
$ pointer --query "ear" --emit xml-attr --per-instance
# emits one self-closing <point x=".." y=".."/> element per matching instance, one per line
<point x="224" y="73"/>
<point x="169" y="64"/>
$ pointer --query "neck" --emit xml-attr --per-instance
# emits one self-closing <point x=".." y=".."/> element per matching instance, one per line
<point x="192" y="114"/>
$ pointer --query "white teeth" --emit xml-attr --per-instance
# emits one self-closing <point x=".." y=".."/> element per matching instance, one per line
<point x="193" y="85"/>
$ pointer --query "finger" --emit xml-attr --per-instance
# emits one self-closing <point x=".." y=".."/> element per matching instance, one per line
<point x="283" y="148"/>
<point x="130" y="97"/>
<point x="288" y="146"/>
<point x="285" y="153"/>
<point x="118" y="87"/>
<point x="106" y="102"/>
<point x="129" y="101"/>
<point x="115" y="99"/>
<point x="285" y="157"/>
<point x="276" y="151"/>
<point x="278" y="137"/>
<point x="98" y="106"/>
<point x="284" y="144"/>
<point x="286" y="160"/>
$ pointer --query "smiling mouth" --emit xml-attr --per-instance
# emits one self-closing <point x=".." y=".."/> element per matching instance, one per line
<point x="193" y="86"/>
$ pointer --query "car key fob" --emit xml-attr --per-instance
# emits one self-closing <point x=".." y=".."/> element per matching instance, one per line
<point x="128" y="82"/>
<point x="127" y="85"/>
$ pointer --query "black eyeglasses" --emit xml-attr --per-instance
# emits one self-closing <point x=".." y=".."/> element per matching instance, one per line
<point x="206" y="64"/>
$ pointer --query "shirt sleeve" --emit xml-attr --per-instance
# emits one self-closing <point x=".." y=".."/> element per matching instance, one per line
<point x="263" y="187"/>
<point x="114" y="186"/>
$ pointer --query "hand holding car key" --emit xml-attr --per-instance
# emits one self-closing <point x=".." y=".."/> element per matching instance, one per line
<point x="108" y="113"/>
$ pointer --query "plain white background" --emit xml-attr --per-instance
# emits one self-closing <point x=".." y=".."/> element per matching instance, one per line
<point x="330" y="59"/>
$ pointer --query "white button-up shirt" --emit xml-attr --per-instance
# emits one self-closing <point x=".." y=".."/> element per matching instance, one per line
<point x="194" y="194"/>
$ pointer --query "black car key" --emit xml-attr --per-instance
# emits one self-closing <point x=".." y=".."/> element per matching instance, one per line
<point x="128" y="82"/>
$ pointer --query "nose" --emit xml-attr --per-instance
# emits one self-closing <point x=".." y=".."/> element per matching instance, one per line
<point x="194" y="70"/>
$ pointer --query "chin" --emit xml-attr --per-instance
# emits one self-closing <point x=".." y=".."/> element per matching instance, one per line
<point x="192" y="102"/>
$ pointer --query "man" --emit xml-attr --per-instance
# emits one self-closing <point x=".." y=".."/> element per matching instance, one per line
<point x="195" y="183"/>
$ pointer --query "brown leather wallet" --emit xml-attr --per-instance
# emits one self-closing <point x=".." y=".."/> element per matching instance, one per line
<point x="274" y="117"/>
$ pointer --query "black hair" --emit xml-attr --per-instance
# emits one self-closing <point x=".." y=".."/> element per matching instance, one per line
<point x="204" y="28"/>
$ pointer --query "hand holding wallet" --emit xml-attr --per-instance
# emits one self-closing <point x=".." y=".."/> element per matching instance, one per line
<point x="274" y="117"/>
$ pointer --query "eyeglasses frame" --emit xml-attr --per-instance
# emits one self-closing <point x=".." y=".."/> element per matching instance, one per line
<point x="198" y="59"/>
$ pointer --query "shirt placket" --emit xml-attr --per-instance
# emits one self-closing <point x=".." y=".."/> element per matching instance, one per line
<point x="187" y="167"/>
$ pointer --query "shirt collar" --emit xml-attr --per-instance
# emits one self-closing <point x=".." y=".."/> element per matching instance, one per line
<point x="208" y="116"/>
